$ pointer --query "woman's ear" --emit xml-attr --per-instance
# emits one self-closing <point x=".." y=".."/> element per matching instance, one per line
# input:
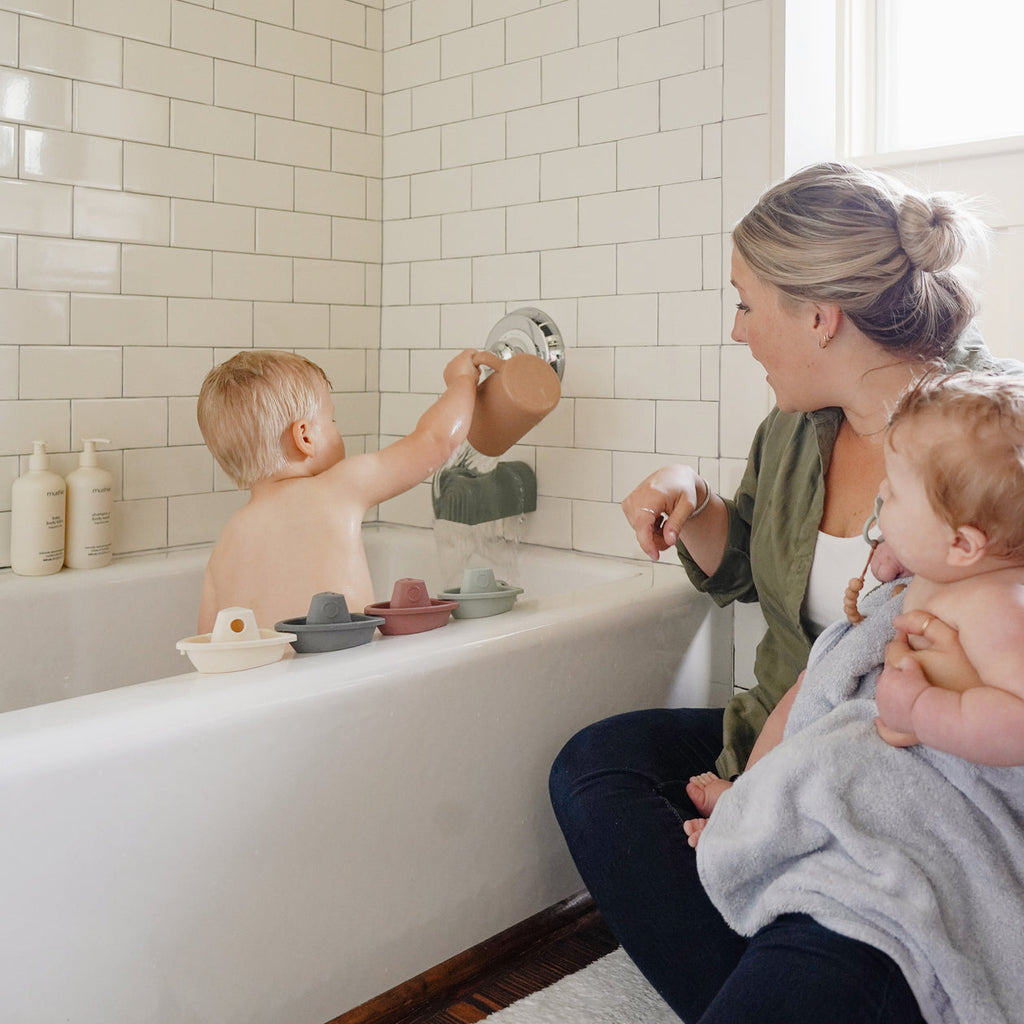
<point x="968" y="546"/>
<point x="827" y="319"/>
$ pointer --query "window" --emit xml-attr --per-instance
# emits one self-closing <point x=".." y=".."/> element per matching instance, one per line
<point x="926" y="73"/>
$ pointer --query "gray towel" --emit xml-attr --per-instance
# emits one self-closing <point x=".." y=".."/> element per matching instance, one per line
<point x="915" y="852"/>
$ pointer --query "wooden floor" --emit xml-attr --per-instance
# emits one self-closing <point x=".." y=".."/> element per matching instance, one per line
<point x="529" y="973"/>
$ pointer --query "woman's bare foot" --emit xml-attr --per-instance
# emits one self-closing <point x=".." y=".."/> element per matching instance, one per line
<point x="704" y="790"/>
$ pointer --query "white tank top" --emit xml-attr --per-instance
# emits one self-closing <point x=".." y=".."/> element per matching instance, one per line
<point x="836" y="561"/>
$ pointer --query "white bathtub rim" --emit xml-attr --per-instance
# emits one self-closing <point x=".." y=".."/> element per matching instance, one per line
<point x="190" y="698"/>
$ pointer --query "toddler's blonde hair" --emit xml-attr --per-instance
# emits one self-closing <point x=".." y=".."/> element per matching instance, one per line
<point x="973" y="462"/>
<point x="248" y="403"/>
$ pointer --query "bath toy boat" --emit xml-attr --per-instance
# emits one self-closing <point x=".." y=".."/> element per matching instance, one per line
<point x="411" y="609"/>
<point x="330" y="626"/>
<point x="236" y="643"/>
<point x="481" y="595"/>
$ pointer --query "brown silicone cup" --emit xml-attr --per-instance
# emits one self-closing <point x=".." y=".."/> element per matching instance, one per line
<point x="511" y="401"/>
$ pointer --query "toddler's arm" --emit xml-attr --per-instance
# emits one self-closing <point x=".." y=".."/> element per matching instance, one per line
<point x="378" y="476"/>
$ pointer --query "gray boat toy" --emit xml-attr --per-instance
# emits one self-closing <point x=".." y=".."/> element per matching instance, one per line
<point x="330" y="626"/>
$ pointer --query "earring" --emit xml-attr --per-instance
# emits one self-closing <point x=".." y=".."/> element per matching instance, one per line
<point x="825" y="339"/>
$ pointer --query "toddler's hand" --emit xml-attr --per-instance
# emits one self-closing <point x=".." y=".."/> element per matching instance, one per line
<point x="461" y="366"/>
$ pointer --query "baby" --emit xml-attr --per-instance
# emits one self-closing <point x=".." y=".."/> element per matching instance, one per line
<point x="268" y="419"/>
<point x="953" y="515"/>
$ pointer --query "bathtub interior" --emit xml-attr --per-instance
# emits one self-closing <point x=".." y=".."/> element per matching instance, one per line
<point x="87" y="631"/>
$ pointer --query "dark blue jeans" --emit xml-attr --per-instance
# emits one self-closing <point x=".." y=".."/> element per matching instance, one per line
<point x="619" y="792"/>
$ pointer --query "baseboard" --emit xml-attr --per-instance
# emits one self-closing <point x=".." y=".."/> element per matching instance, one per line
<point x="442" y="983"/>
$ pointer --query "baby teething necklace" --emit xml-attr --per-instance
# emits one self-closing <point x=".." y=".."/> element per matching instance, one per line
<point x="856" y="585"/>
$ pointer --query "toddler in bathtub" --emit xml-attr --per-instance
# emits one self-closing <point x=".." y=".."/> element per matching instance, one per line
<point x="953" y="513"/>
<point x="268" y="419"/>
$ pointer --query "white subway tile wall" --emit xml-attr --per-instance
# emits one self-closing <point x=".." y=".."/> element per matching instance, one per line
<point x="179" y="181"/>
<point x="375" y="183"/>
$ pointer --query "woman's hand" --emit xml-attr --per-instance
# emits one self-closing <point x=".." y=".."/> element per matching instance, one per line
<point x="908" y="672"/>
<point x="935" y="646"/>
<point x="658" y="507"/>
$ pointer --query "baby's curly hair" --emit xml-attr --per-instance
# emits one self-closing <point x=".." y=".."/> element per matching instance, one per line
<point x="973" y="462"/>
<point x="247" y="403"/>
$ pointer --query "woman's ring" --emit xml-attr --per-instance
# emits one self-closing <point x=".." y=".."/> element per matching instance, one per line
<point x="644" y="508"/>
<point x="924" y="626"/>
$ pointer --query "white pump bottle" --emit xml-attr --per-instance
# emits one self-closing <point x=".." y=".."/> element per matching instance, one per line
<point x="37" y="517"/>
<point x="90" y="511"/>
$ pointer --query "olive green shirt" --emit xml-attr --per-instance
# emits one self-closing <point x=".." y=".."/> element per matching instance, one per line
<point x="773" y="529"/>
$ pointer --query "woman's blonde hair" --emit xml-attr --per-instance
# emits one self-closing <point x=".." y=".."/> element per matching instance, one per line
<point x="248" y="403"/>
<point x="883" y="253"/>
<point x="972" y="464"/>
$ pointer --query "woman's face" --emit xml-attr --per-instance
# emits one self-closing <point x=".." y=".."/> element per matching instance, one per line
<point x="780" y="337"/>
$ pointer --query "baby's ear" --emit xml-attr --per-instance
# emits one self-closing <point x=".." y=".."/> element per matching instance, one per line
<point x="969" y="544"/>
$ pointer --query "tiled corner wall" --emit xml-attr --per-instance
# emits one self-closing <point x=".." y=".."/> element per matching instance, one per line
<point x="585" y="157"/>
<point x="179" y="180"/>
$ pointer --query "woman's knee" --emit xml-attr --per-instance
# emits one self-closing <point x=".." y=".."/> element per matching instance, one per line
<point x="657" y="744"/>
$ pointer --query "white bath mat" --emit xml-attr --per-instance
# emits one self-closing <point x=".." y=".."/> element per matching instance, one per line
<point x="610" y="991"/>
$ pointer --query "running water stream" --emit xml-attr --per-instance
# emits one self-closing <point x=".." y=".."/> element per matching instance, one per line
<point x="493" y="543"/>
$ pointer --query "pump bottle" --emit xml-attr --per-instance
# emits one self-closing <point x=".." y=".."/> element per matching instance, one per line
<point x="90" y="510"/>
<point x="37" y="517"/>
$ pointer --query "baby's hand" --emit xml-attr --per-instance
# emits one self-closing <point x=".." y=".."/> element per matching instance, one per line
<point x="899" y="685"/>
<point x="461" y="366"/>
<point x="894" y="738"/>
<point x="885" y="566"/>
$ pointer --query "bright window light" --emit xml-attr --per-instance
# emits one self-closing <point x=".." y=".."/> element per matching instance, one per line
<point x="948" y="71"/>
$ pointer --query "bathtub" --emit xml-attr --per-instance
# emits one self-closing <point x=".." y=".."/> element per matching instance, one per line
<point x="285" y="843"/>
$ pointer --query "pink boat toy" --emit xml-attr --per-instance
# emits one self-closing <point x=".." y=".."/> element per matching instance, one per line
<point x="411" y="609"/>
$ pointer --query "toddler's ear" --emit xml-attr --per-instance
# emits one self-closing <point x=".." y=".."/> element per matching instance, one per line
<point x="300" y="434"/>
<point x="969" y="544"/>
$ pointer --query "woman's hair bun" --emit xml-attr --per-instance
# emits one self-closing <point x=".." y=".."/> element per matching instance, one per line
<point x="931" y="230"/>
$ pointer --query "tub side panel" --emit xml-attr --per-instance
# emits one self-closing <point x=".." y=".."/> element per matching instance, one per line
<point x="294" y="860"/>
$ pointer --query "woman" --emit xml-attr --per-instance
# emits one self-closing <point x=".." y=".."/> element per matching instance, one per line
<point x="847" y="291"/>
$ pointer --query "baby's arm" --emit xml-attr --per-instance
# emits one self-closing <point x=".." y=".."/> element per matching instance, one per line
<point x="378" y="476"/>
<point x="965" y="700"/>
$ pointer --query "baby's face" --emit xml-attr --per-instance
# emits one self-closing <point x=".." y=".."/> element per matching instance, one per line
<point x="330" y="447"/>
<point x="918" y="537"/>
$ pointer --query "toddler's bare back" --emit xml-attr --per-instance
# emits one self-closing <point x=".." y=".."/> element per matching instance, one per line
<point x="281" y="548"/>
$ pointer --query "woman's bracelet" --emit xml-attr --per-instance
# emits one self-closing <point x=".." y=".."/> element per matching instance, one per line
<point x="704" y="504"/>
